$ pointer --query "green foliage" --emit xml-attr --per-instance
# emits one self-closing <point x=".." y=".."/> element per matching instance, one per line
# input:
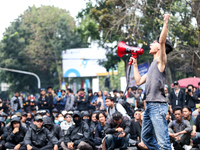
<point x="40" y="33"/>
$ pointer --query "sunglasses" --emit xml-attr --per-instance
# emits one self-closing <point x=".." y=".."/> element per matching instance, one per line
<point x="68" y="117"/>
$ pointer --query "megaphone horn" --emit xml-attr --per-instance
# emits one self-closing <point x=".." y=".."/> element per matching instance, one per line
<point x="123" y="49"/>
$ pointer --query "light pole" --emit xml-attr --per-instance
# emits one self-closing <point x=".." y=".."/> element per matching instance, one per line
<point x="24" y="72"/>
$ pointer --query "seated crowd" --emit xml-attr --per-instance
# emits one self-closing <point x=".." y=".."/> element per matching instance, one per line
<point x="95" y="121"/>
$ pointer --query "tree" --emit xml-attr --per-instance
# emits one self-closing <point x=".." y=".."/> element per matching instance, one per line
<point x="139" y="22"/>
<point x="34" y="42"/>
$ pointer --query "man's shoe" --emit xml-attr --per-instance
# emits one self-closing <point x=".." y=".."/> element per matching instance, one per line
<point x="187" y="147"/>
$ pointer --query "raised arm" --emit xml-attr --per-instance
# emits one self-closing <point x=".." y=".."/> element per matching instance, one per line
<point x="162" y="40"/>
<point x="138" y="79"/>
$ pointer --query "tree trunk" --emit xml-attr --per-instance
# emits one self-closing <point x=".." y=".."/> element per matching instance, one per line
<point x="196" y="11"/>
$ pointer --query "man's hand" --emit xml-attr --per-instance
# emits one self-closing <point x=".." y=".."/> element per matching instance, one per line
<point x="119" y="129"/>
<point x="178" y="138"/>
<point x="166" y="18"/>
<point x="134" y="61"/>
<point x="171" y="110"/>
<point x="193" y="134"/>
<point x="176" y="134"/>
<point x="55" y="147"/>
<point x="190" y="93"/>
<point x="15" y="130"/>
<point x="17" y="147"/>
<point x="70" y="145"/>
<point x="29" y="147"/>
<point x="122" y="135"/>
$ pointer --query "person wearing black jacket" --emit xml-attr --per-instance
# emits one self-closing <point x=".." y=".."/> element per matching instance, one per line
<point x="54" y="129"/>
<point x="3" y="134"/>
<point x="29" y="105"/>
<point x="78" y="135"/>
<point x="176" y="97"/>
<point x="16" y="133"/>
<point x="43" y="101"/>
<point x="51" y="95"/>
<point x="81" y="101"/>
<point x="38" y="137"/>
<point x="117" y="131"/>
<point x="191" y="97"/>
<point x="89" y="99"/>
<point x="99" y="129"/>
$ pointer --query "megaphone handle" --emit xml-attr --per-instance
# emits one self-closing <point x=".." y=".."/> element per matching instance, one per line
<point x="131" y="62"/>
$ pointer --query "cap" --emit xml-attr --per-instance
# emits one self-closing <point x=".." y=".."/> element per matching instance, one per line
<point x="81" y="89"/>
<point x="24" y="113"/>
<point x="175" y="82"/>
<point x="42" y="89"/>
<point x="55" y="110"/>
<point x="37" y="118"/>
<point x="116" y="116"/>
<point x="139" y="88"/>
<point x="18" y="114"/>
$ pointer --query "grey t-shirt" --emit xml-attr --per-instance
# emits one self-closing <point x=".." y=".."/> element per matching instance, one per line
<point x="155" y="83"/>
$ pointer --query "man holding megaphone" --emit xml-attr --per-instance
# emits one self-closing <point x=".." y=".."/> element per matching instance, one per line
<point x="156" y="107"/>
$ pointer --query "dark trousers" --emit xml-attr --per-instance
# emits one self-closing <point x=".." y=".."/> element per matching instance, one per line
<point x="113" y="142"/>
<point x="9" y="145"/>
<point x="47" y="147"/>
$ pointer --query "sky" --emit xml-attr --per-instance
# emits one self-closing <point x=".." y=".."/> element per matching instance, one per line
<point x="11" y="9"/>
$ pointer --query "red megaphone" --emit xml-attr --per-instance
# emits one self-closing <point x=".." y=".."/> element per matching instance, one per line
<point x="123" y="49"/>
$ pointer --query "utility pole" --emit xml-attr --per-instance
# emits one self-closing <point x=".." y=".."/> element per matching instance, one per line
<point x="24" y="72"/>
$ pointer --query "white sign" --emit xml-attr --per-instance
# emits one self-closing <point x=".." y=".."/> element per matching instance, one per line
<point x="123" y="83"/>
<point x="95" y="84"/>
<point x="83" y="62"/>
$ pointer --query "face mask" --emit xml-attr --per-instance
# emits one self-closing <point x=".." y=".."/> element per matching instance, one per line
<point x="77" y="122"/>
<point x="87" y="120"/>
<point x="56" y="121"/>
<point x="60" y="119"/>
<point x="28" y="119"/>
<point x="54" y="115"/>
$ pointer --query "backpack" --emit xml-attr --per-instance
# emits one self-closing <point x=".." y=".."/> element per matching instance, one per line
<point x="129" y="109"/>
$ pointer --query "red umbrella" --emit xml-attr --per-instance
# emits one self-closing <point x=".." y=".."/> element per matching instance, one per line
<point x="183" y="83"/>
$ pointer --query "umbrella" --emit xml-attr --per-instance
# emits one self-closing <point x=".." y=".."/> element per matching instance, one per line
<point x="183" y="83"/>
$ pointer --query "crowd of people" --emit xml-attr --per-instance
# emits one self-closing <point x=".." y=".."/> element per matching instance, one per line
<point x="96" y="120"/>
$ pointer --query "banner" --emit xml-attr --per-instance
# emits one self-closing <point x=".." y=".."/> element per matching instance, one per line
<point x="143" y="69"/>
<point x="83" y="62"/>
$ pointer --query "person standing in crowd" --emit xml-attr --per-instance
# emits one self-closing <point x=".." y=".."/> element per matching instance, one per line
<point x="99" y="129"/>
<point x="121" y="98"/>
<point x="142" y="97"/>
<point x="191" y="97"/>
<point x="81" y="101"/>
<point x="105" y="93"/>
<point x="117" y="131"/>
<point x="177" y="97"/>
<point x="156" y="107"/>
<point x="16" y="133"/>
<point x="43" y="101"/>
<point x="51" y="95"/>
<point x="115" y="96"/>
<point x="54" y="129"/>
<point x="70" y="100"/>
<point x="38" y="137"/>
<point x="3" y="107"/>
<point x="179" y="131"/>
<point x="89" y="98"/>
<point x="99" y="101"/>
<point x="112" y="107"/>
<point x="129" y="90"/>
<point x="136" y="94"/>
<point x="167" y="95"/>
<point x="29" y="105"/>
<point x="78" y="135"/>
<point x="60" y="101"/>
<point x="198" y="90"/>
<point x="16" y="103"/>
